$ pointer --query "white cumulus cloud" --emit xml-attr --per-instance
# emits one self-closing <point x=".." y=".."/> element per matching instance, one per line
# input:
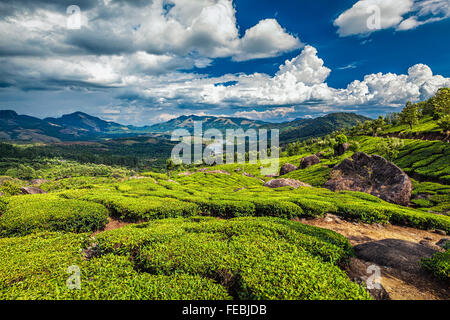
<point x="367" y="16"/>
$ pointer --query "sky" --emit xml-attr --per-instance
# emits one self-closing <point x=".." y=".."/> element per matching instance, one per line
<point x="146" y="61"/>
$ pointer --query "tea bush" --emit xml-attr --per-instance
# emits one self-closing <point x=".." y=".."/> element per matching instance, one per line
<point x="226" y="208"/>
<point x="35" y="267"/>
<point x="182" y="258"/>
<point x="253" y="258"/>
<point x="26" y="214"/>
<point x="438" y="265"/>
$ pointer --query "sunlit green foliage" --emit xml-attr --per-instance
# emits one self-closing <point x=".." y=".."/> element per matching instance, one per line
<point x="438" y="264"/>
<point x="35" y="267"/>
<point x="410" y="114"/>
<point x="26" y="214"/>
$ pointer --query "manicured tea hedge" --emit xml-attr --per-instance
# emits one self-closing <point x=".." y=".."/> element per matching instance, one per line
<point x="191" y="258"/>
<point x="35" y="267"/>
<point x="30" y="213"/>
<point x="134" y="208"/>
<point x="127" y="201"/>
<point x="253" y="258"/>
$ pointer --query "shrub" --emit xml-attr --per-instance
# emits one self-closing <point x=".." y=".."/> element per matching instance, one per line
<point x="10" y="187"/>
<point x="315" y="208"/>
<point x="35" y="267"/>
<point x="341" y="139"/>
<point x="275" y="208"/>
<point x="438" y="265"/>
<point x="142" y="208"/>
<point x="227" y="208"/>
<point x="31" y="213"/>
<point x="253" y="258"/>
<point x="444" y="123"/>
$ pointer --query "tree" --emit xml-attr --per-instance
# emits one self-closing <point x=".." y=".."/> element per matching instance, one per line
<point x="170" y="165"/>
<point x="444" y="123"/>
<point x="25" y="172"/>
<point x="439" y="105"/>
<point x="410" y="114"/>
<point x="377" y="125"/>
<point x="390" y="147"/>
<point x="339" y="148"/>
<point x="341" y="139"/>
<point x="368" y="127"/>
<point x="358" y="129"/>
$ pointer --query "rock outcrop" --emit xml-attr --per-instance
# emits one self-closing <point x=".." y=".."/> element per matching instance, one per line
<point x="278" y="183"/>
<point x="218" y="172"/>
<point x="341" y="149"/>
<point x="186" y="174"/>
<point x="286" y="168"/>
<point x="31" y="190"/>
<point x="373" y="175"/>
<point x="320" y="154"/>
<point x="38" y="182"/>
<point x="309" y="161"/>
<point x="396" y="253"/>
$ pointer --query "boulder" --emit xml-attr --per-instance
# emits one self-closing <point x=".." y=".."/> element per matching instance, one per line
<point x="443" y="243"/>
<point x="357" y="270"/>
<point x="309" y="161"/>
<point x="441" y="232"/>
<point x="340" y="149"/>
<point x="31" y="190"/>
<point x="395" y="253"/>
<point x="278" y="183"/>
<point x="186" y="174"/>
<point x="248" y="174"/>
<point x="373" y="175"/>
<point x="217" y="172"/>
<point x="286" y="168"/>
<point x="38" y="182"/>
<point x="137" y="177"/>
<point x="320" y="154"/>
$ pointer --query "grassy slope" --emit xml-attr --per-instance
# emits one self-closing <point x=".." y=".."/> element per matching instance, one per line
<point x="426" y="124"/>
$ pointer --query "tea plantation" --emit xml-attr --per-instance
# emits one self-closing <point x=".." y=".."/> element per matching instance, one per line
<point x="182" y="258"/>
<point x="194" y="234"/>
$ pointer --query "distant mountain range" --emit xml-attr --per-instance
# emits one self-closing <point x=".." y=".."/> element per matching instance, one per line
<point x="80" y="126"/>
<point x="208" y="122"/>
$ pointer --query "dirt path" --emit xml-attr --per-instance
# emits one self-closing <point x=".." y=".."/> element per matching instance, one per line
<point x="399" y="284"/>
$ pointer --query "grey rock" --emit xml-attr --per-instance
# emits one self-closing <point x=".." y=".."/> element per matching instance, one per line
<point x="443" y="243"/>
<point x="373" y="175"/>
<point x="32" y="190"/>
<point x="401" y="254"/>
<point x="309" y="161"/>
<point x="286" y="168"/>
<point x="441" y="232"/>
<point x="278" y="183"/>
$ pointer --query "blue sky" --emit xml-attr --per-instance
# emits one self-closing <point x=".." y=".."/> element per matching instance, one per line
<point x="140" y="62"/>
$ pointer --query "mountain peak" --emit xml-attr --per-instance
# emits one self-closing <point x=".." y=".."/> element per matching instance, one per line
<point x="8" y="114"/>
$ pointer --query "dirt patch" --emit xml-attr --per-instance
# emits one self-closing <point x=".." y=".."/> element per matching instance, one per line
<point x="358" y="233"/>
<point x="112" y="224"/>
<point x="398" y="284"/>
